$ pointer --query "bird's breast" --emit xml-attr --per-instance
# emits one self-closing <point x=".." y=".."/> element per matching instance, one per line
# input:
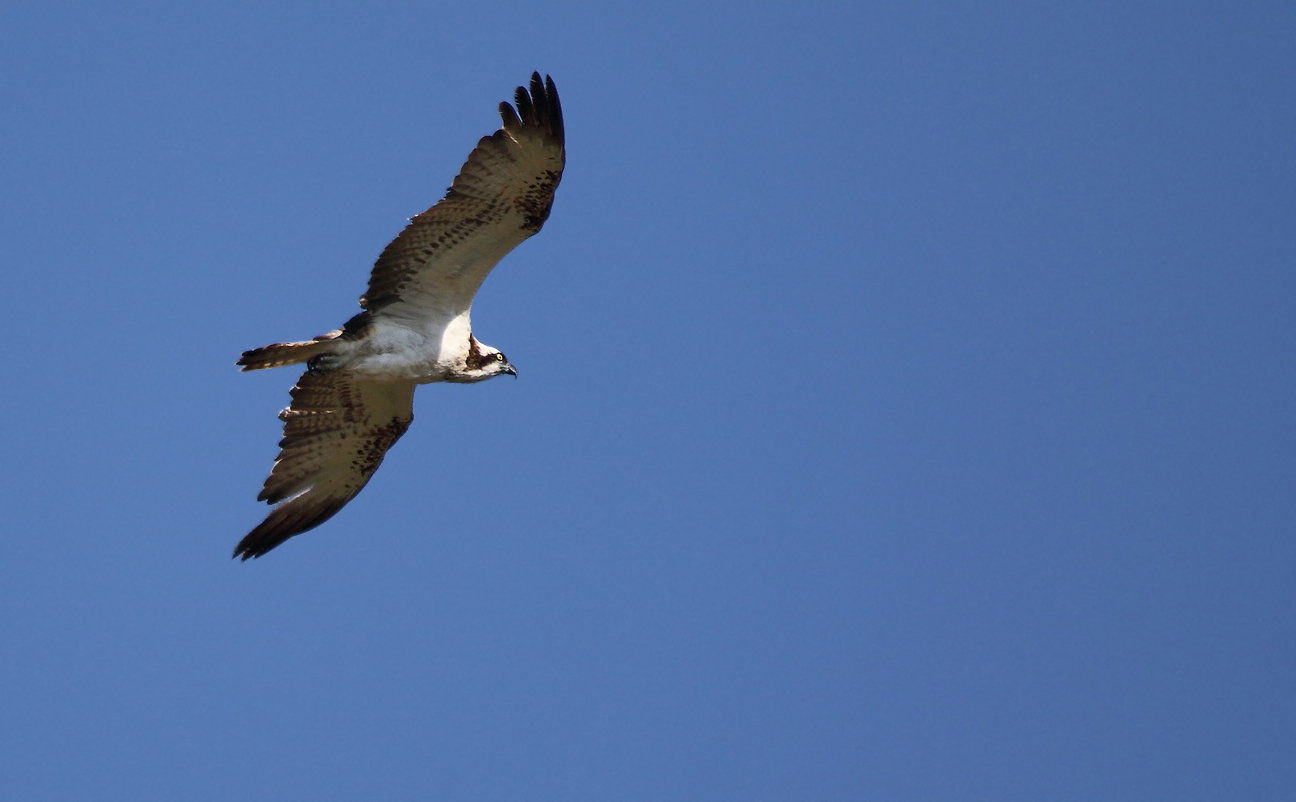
<point x="391" y="352"/>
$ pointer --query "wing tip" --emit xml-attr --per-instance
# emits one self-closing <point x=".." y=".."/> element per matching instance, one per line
<point x="262" y="540"/>
<point x="250" y="547"/>
<point x="285" y="521"/>
<point x="538" y="108"/>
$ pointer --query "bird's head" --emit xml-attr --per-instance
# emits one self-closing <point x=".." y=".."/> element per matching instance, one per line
<point x="484" y="363"/>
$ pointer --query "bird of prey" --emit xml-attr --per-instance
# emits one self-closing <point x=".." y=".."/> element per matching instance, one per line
<point x="356" y="397"/>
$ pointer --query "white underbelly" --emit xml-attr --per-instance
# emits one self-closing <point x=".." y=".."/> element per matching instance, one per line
<point x="399" y="366"/>
<point x="392" y="352"/>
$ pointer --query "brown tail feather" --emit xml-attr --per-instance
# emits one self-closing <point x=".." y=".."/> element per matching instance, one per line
<point x="279" y="354"/>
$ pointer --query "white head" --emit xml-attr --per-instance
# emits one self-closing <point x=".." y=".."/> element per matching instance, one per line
<point x="481" y="363"/>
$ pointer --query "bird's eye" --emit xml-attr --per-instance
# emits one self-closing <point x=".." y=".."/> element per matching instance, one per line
<point x="499" y="357"/>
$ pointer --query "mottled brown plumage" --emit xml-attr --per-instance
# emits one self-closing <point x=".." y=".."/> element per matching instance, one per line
<point x="335" y="435"/>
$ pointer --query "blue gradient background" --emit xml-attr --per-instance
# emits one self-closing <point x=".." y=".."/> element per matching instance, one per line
<point x="904" y="412"/>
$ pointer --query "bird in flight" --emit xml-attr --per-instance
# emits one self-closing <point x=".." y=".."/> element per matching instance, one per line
<point x="356" y="397"/>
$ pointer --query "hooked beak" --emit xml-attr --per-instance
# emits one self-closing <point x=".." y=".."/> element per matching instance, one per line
<point x="510" y="370"/>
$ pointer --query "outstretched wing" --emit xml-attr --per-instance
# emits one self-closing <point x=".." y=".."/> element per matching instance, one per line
<point x="335" y="435"/>
<point x="501" y="196"/>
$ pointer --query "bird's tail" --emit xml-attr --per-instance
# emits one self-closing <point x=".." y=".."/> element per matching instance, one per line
<point x="279" y="354"/>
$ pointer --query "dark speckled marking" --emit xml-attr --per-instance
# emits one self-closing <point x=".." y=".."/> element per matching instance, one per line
<point x="536" y="203"/>
<point x="370" y="453"/>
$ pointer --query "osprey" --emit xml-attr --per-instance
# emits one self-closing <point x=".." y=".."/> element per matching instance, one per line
<point x="356" y="397"/>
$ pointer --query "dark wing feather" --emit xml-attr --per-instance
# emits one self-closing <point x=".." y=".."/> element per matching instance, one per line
<point x="335" y="435"/>
<point x="502" y="195"/>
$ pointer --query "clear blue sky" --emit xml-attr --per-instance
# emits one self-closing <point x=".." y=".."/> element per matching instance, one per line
<point x="905" y="406"/>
